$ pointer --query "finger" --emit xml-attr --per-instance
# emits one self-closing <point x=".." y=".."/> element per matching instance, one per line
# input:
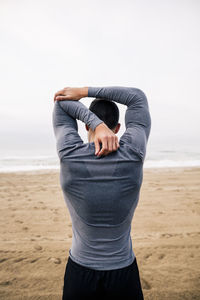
<point x="106" y="153"/>
<point x="117" y="142"/>
<point x="104" y="147"/>
<point x="59" y="93"/>
<point x="58" y="98"/>
<point x="103" y="153"/>
<point x="114" y="143"/>
<point x="97" y="147"/>
<point x="110" y="144"/>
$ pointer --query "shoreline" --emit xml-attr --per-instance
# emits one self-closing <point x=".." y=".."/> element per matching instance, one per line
<point x="149" y="169"/>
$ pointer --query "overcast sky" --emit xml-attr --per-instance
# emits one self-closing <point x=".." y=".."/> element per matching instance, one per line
<point x="149" y="44"/>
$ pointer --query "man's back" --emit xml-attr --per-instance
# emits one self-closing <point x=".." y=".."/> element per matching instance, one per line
<point x="101" y="192"/>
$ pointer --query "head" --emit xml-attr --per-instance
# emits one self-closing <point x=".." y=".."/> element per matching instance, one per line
<point x="108" y="112"/>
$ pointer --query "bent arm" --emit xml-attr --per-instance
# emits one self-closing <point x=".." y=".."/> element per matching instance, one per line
<point x="65" y="125"/>
<point x="137" y="117"/>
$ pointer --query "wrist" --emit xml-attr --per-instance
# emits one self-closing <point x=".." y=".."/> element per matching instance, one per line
<point x="84" y="92"/>
<point x="100" y="126"/>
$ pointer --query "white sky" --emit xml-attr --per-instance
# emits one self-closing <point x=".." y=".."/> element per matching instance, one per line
<point x="149" y="44"/>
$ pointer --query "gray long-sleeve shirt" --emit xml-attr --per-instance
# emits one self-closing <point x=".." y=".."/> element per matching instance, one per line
<point x="102" y="193"/>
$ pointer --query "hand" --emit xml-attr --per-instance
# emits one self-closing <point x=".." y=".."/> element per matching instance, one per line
<point x="69" y="93"/>
<point x="108" y="139"/>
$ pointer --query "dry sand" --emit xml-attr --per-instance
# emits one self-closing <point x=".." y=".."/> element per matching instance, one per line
<point x="35" y="235"/>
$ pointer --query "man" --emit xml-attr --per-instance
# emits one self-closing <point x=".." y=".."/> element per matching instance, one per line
<point x="101" y="188"/>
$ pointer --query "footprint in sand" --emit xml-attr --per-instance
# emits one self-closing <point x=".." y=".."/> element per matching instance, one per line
<point x="192" y="234"/>
<point x="55" y="260"/>
<point x="161" y="256"/>
<point x="5" y="283"/>
<point x="38" y="247"/>
<point x="145" y="284"/>
<point x="24" y="285"/>
<point x="19" y="259"/>
<point x="25" y="228"/>
<point x="19" y="221"/>
<point x="3" y="259"/>
<point x="167" y="235"/>
<point x="147" y="256"/>
<point x="34" y="260"/>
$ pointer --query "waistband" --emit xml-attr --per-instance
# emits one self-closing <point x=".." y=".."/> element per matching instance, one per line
<point x="80" y="267"/>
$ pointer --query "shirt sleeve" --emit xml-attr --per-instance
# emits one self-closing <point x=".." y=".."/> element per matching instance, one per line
<point x="65" y="125"/>
<point x="137" y="117"/>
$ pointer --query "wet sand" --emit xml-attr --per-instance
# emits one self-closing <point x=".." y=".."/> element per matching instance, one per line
<point x="35" y="235"/>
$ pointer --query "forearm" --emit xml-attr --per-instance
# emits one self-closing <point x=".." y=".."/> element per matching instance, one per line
<point x="124" y="95"/>
<point x="79" y="111"/>
<point x="135" y="99"/>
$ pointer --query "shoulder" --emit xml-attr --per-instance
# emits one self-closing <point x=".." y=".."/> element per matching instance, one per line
<point x="79" y="151"/>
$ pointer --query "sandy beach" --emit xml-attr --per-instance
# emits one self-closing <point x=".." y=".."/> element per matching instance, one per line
<point x="35" y="235"/>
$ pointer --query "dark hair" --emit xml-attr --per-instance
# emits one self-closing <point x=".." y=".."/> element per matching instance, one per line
<point x="106" y="110"/>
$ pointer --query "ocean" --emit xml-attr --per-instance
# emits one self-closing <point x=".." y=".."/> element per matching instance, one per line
<point x="156" y="157"/>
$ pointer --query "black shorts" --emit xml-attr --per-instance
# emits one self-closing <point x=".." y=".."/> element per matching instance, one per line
<point x="84" y="283"/>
